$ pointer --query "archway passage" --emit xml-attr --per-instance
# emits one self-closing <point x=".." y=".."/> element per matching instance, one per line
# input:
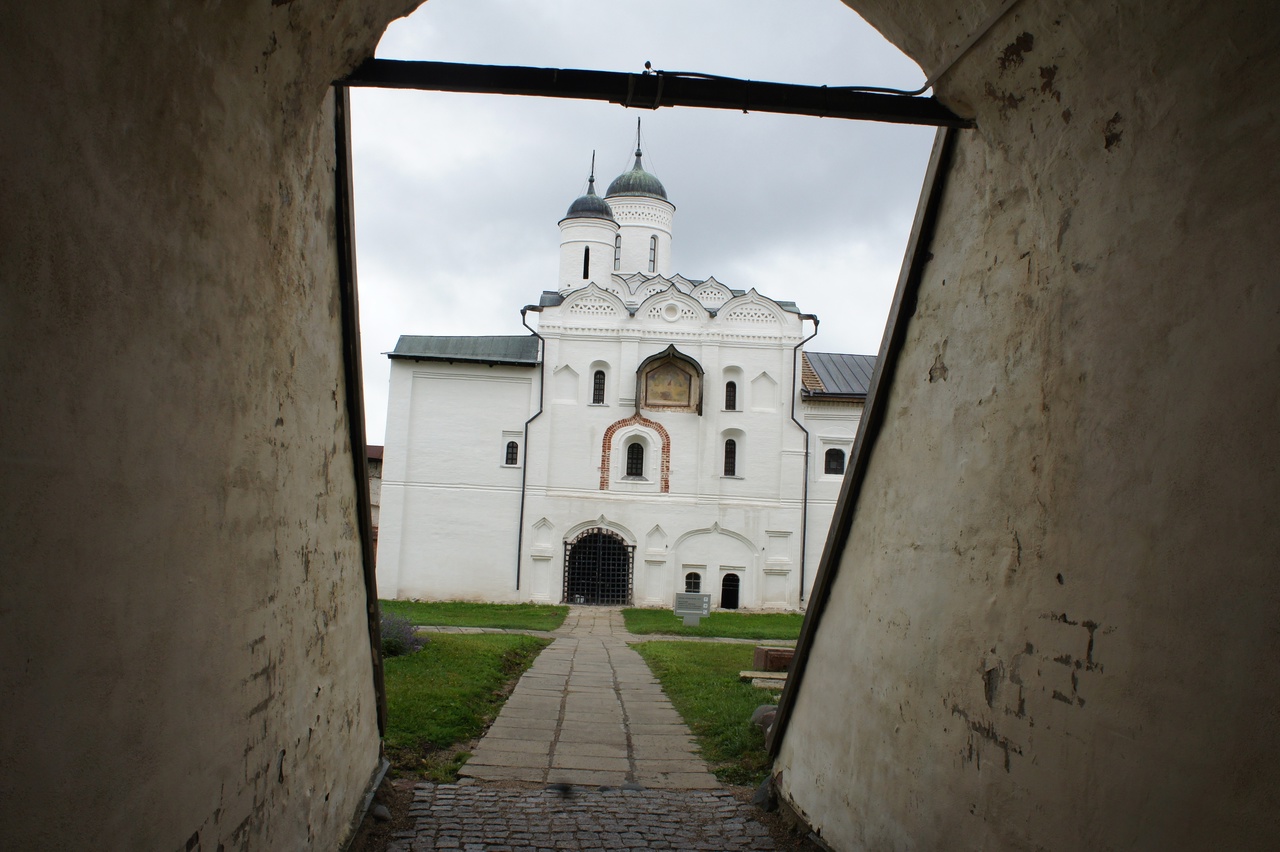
<point x="729" y="591"/>
<point x="597" y="569"/>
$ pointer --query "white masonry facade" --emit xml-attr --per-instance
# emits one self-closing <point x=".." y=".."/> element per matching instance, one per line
<point x="652" y="435"/>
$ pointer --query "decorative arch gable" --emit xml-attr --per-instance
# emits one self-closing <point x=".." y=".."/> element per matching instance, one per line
<point x="712" y="294"/>
<point x="752" y="309"/>
<point x="592" y="301"/>
<point x="716" y="529"/>
<point x="653" y="289"/>
<point x="664" y="462"/>
<point x="604" y="523"/>
<point x="672" y="305"/>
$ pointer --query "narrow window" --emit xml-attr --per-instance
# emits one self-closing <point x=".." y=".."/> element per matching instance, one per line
<point x="597" y="392"/>
<point x="729" y="591"/>
<point x="731" y="396"/>
<point x="586" y="262"/>
<point x="693" y="582"/>
<point x="635" y="459"/>
<point x="513" y="452"/>
<point x="730" y="457"/>
<point x="834" y="462"/>
<point x="617" y="252"/>
<point x="653" y="254"/>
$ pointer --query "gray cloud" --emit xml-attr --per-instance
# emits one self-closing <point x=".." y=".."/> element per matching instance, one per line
<point x="458" y="196"/>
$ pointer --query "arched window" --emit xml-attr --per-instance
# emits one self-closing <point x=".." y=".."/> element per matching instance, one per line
<point x="513" y="453"/>
<point x="617" y="252"/>
<point x="653" y="254"/>
<point x="635" y="459"/>
<point x="693" y="582"/>
<point x="586" y="262"/>
<point x="834" y="462"/>
<point x="730" y="457"/>
<point x="730" y="396"/>
<point x="597" y="390"/>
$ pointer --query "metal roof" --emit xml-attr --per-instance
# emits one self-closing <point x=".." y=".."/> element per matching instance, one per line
<point x="505" y="349"/>
<point x="637" y="182"/>
<point x="590" y="206"/>
<point x="841" y="374"/>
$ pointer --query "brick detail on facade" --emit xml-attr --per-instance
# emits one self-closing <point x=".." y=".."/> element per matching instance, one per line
<point x="664" y="464"/>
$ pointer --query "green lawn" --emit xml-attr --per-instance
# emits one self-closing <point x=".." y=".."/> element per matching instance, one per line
<point x="459" y="614"/>
<point x="446" y="694"/>
<point x="726" y="625"/>
<point x="701" y="679"/>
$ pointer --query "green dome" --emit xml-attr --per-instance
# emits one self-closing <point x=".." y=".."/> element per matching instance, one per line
<point x="590" y="206"/>
<point x="637" y="182"/>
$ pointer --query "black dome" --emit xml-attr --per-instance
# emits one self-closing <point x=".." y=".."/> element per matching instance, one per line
<point x="590" y="206"/>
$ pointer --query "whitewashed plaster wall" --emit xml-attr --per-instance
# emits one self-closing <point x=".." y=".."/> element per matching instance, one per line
<point x="753" y="516"/>
<point x="1054" y="624"/>
<point x="454" y="500"/>
<point x="832" y="426"/>
<point x="451" y="509"/>
<point x="640" y="218"/>
<point x="186" y="663"/>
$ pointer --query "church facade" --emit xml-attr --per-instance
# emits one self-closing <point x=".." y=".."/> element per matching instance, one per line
<point x="653" y="434"/>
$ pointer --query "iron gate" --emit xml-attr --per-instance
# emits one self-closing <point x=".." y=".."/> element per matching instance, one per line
<point x="597" y="568"/>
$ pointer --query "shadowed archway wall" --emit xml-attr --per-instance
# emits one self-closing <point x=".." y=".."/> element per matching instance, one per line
<point x="1051" y="624"/>
<point x="187" y="663"/>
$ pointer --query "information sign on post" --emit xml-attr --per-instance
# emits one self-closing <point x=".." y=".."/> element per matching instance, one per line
<point x="692" y="607"/>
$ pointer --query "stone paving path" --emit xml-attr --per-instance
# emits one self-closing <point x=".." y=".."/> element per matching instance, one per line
<point x="587" y="753"/>
<point x="589" y="712"/>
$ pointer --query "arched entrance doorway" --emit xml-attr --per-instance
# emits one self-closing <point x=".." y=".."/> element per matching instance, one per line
<point x="597" y="568"/>
<point x="729" y="591"/>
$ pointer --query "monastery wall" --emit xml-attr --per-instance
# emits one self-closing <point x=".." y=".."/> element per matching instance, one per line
<point x="1054" y="626"/>
<point x="187" y="662"/>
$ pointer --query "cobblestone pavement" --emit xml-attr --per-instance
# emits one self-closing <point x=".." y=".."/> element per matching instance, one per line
<point x="485" y="818"/>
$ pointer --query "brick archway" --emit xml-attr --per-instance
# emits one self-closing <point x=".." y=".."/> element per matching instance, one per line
<point x="664" y="463"/>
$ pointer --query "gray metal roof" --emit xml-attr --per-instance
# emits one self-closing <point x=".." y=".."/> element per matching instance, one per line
<point x="841" y="374"/>
<point x="519" y="349"/>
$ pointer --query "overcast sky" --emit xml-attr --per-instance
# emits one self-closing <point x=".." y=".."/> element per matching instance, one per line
<point x="458" y="196"/>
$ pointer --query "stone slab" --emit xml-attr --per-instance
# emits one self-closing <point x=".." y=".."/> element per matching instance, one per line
<point x="486" y="756"/>
<point x="569" y="759"/>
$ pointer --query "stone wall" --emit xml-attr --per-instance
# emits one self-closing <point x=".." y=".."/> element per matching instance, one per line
<point x="186" y="658"/>
<point x="1054" y="626"/>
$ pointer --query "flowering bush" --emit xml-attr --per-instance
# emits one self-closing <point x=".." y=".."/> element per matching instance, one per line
<point x="398" y="636"/>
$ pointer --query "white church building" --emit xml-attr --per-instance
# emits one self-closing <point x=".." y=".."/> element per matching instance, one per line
<point x="652" y="435"/>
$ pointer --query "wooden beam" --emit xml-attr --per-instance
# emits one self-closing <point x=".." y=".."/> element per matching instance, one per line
<point x="653" y="90"/>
